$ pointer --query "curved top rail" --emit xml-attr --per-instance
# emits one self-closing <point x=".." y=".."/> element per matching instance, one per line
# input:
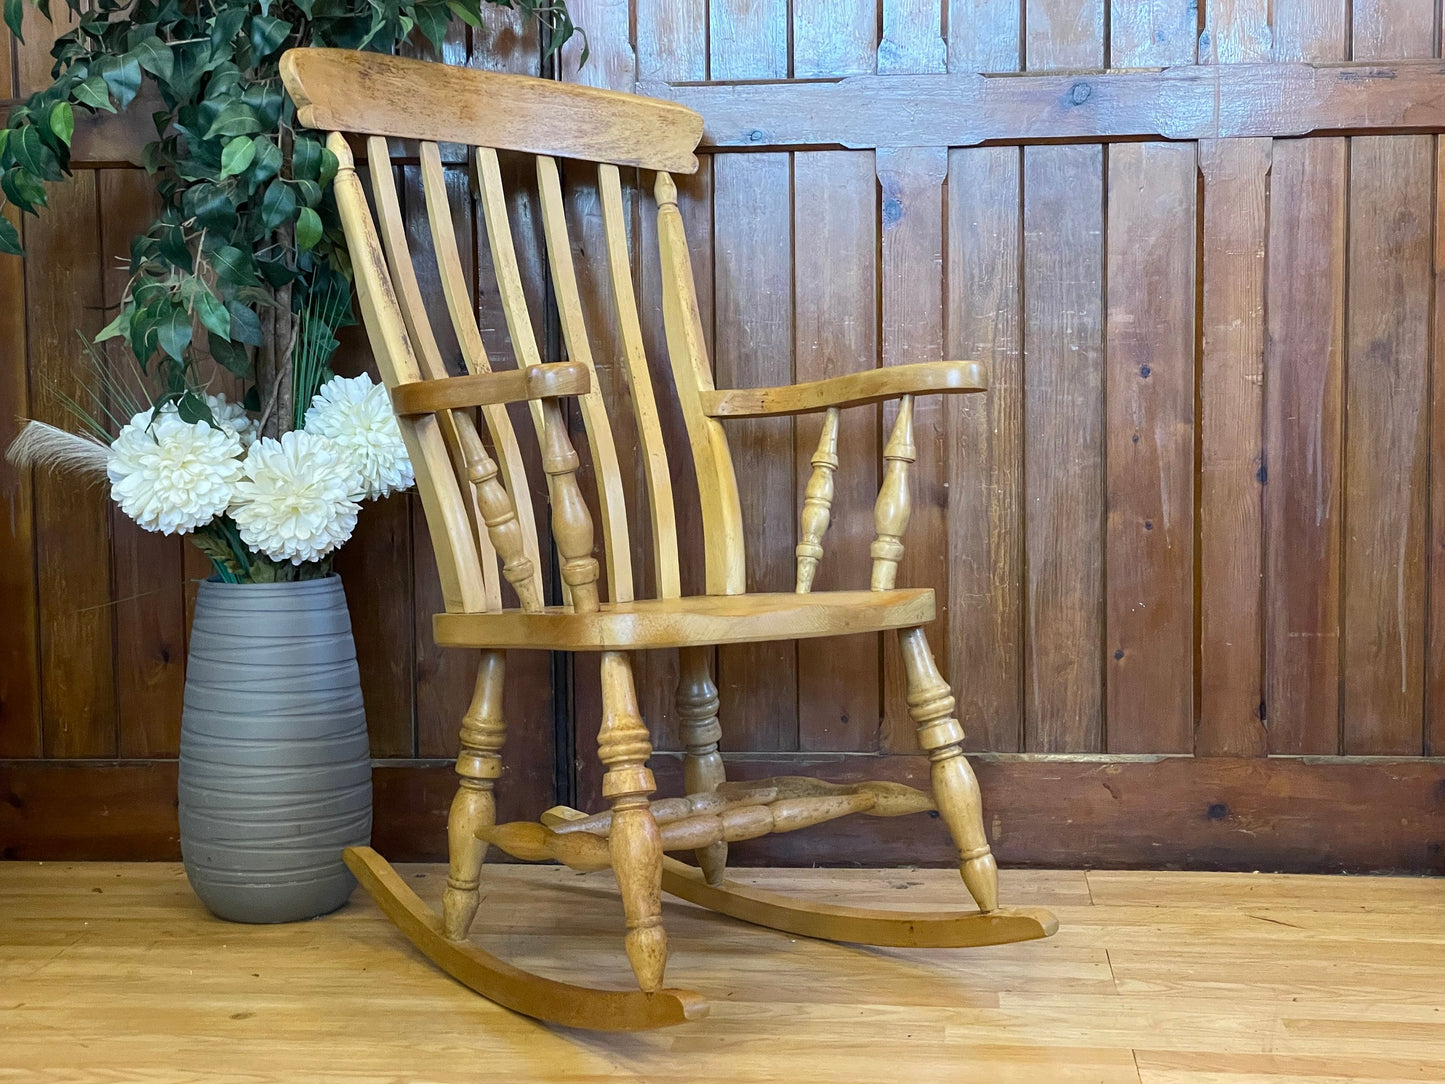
<point x="343" y="90"/>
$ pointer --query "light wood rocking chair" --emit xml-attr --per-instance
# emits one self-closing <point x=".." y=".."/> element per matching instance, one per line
<point x="477" y="507"/>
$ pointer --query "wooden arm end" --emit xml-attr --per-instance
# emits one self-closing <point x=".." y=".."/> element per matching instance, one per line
<point x="855" y="389"/>
<point x="491" y="389"/>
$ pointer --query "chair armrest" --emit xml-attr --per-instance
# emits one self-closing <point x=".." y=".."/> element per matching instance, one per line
<point x="855" y="389"/>
<point x="491" y="389"/>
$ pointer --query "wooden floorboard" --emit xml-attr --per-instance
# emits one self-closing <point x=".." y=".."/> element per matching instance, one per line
<point x="113" y="972"/>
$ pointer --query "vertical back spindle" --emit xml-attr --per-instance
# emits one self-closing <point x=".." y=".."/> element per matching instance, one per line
<point x="890" y="513"/>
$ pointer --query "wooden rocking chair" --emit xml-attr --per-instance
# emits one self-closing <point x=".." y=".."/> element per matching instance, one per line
<point x="478" y="510"/>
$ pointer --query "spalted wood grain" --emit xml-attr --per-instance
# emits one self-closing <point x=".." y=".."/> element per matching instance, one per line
<point x="911" y="188"/>
<point x="835" y="287"/>
<point x="19" y="631"/>
<point x="1132" y="812"/>
<point x="149" y="612"/>
<point x="1304" y="305"/>
<point x="1235" y="223"/>
<point x="1063" y="449"/>
<point x="1392" y="182"/>
<point x="72" y="535"/>
<point x="1183" y="102"/>
<point x="753" y="248"/>
<point x="1149" y="448"/>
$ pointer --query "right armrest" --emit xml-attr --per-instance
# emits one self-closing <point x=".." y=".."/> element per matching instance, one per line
<point x="491" y="389"/>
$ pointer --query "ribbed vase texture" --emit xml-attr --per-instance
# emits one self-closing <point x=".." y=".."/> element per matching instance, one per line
<point x="275" y="770"/>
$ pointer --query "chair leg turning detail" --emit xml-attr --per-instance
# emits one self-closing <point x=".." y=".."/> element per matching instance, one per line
<point x="474" y="808"/>
<point x="955" y="788"/>
<point x="623" y="745"/>
<point x="702" y="764"/>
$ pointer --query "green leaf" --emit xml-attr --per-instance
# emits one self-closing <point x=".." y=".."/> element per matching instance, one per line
<point x="278" y="205"/>
<point x="268" y="160"/>
<point x="211" y="207"/>
<point x="122" y="76"/>
<point x="267" y="34"/>
<point x="117" y="327"/>
<point x="245" y="324"/>
<point x="237" y="156"/>
<point x="432" y="21"/>
<point x="329" y="166"/>
<point x="62" y="122"/>
<point x="174" y="332"/>
<point x="9" y="237"/>
<point x="155" y="56"/>
<point x="306" y="159"/>
<point x="94" y="93"/>
<point x="213" y="314"/>
<point x="13" y="15"/>
<point x="233" y="266"/>
<point x="33" y="156"/>
<point x="193" y="408"/>
<point x="310" y="192"/>
<point x="21" y="188"/>
<point x="236" y="119"/>
<point x="308" y="229"/>
<point x="230" y="355"/>
<point x="469" y="13"/>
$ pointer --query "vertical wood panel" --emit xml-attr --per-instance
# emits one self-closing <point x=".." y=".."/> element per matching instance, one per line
<point x="1063" y="406"/>
<point x="1304" y="304"/>
<point x="150" y="607"/>
<point x="748" y="39"/>
<point x="72" y="539"/>
<point x="1231" y="558"/>
<point x="982" y="320"/>
<point x="836" y="288"/>
<point x="752" y="204"/>
<point x="1149" y="448"/>
<point x="19" y="630"/>
<point x="1386" y="387"/>
<point x="1435" y="659"/>
<point x="912" y="269"/>
<point x="833" y="37"/>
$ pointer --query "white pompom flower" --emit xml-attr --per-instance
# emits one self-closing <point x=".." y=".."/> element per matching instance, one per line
<point x="297" y="498"/>
<point x="356" y="413"/>
<point x="172" y="476"/>
<point x="233" y="416"/>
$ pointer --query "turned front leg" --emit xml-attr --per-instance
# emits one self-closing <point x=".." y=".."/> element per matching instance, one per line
<point x="955" y="788"/>
<point x="623" y="744"/>
<point x="702" y="764"/>
<point x="478" y="764"/>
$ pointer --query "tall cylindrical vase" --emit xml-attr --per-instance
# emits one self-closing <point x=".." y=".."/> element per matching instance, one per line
<point x="275" y="770"/>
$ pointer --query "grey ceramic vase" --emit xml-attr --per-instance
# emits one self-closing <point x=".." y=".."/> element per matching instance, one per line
<point x="275" y="771"/>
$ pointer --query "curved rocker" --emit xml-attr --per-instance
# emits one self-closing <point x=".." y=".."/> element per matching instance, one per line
<point x="531" y="995"/>
<point x="858" y="925"/>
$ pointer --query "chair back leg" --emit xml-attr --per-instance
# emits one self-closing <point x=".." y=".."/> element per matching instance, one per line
<point x="479" y="764"/>
<point x="702" y="764"/>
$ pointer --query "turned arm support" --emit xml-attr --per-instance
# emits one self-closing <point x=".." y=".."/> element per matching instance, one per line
<point x="491" y="389"/>
<point x="854" y="389"/>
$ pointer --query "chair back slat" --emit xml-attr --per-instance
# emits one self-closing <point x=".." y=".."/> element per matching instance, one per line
<point x="458" y="293"/>
<point x="722" y="515"/>
<point x="608" y="473"/>
<point x="644" y="404"/>
<point x="458" y="429"/>
<point x="459" y="564"/>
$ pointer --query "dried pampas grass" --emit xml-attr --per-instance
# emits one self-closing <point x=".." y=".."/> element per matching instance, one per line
<point x="45" y="446"/>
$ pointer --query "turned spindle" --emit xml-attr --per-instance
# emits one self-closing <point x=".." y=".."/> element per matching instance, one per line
<point x="479" y="764"/>
<point x="817" y="503"/>
<point x="890" y="513"/>
<point x="702" y="764"/>
<point x="571" y="520"/>
<point x="500" y="516"/>
<point x="664" y="811"/>
<point x="955" y="789"/>
<point x="623" y="745"/>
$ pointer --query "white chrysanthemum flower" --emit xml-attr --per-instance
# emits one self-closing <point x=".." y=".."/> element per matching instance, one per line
<point x="356" y="413"/>
<point x="233" y="416"/>
<point x="227" y="415"/>
<point x="297" y="498"/>
<point x="173" y="476"/>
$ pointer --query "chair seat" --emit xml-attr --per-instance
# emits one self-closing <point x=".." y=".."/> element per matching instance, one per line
<point x="697" y="619"/>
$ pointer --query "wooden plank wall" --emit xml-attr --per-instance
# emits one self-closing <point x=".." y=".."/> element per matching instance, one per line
<point x="1183" y="548"/>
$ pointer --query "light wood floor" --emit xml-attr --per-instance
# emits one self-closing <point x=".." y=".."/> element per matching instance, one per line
<point x="115" y="973"/>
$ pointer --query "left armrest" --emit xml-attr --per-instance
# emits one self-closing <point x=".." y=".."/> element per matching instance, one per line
<point x="855" y="389"/>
